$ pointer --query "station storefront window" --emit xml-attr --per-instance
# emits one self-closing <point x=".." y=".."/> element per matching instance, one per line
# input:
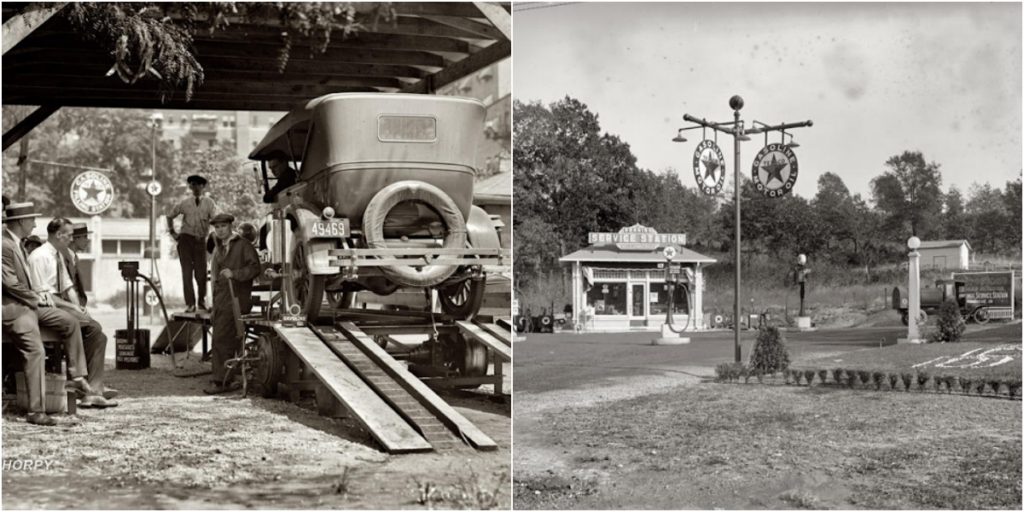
<point x="607" y="299"/>
<point x="659" y="300"/>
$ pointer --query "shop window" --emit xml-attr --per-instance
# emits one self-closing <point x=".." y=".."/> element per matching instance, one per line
<point x="607" y="299"/>
<point x="659" y="300"/>
<point x="133" y="247"/>
<point x="110" y="247"/>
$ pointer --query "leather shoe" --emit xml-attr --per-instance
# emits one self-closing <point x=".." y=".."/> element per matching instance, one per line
<point x="110" y="393"/>
<point x="190" y="309"/>
<point x="81" y="387"/>
<point x="38" y="418"/>
<point x="215" y="389"/>
<point x="203" y="308"/>
<point x="95" y="401"/>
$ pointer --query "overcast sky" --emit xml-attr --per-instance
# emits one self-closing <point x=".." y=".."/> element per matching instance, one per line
<point x="876" y="79"/>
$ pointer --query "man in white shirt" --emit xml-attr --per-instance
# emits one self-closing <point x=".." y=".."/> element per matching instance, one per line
<point x="196" y="213"/>
<point x="53" y="278"/>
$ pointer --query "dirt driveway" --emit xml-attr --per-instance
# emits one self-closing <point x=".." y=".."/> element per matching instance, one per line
<point x="169" y="446"/>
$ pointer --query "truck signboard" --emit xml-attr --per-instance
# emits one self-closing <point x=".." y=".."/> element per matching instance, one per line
<point x="989" y="289"/>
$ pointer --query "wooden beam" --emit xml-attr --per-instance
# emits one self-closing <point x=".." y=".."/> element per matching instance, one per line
<point x="463" y="9"/>
<point x="498" y="16"/>
<point x="470" y="27"/>
<point x="471" y="64"/>
<point x="95" y="71"/>
<point x="18" y="27"/>
<point x="26" y="125"/>
<point x="43" y="84"/>
<point x="226" y="104"/>
<point x="234" y="64"/>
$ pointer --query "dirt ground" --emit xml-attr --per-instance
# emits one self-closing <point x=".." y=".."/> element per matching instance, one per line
<point x="170" y="446"/>
<point x="675" y="440"/>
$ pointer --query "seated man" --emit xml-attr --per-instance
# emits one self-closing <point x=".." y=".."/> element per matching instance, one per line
<point x="32" y="243"/>
<point x="286" y="176"/>
<point x="87" y="359"/>
<point x="235" y="265"/>
<point x="24" y="311"/>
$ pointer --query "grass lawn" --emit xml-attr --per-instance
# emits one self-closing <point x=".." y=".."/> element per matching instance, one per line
<point x="767" y="447"/>
<point x="991" y="353"/>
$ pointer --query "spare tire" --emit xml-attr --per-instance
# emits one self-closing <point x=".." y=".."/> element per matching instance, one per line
<point x="417" y="191"/>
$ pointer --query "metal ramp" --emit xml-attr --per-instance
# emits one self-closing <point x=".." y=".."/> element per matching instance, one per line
<point x="378" y="417"/>
<point x="394" y="406"/>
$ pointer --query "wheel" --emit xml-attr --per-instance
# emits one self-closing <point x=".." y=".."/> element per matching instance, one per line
<point x="340" y="300"/>
<point x="465" y="356"/>
<point x="921" y="318"/>
<point x="520" y="325"/>
<point x="981" y="316"/>
<point x="269" y="367"/>
<point x="463" y="300"/>
<point x="309" y="289"/>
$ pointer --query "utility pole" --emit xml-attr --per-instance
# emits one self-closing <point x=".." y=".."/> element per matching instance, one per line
<point x="736" y="129"/>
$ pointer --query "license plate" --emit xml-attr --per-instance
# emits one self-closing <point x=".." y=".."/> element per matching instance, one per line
<point x="328" y="229"/>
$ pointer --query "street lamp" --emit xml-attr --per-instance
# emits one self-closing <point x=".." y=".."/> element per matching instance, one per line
<point x="155" y="121"/>
<point x="802" y="320"/>
<point x="914" y="269"/>
<point x="739" y="134"/>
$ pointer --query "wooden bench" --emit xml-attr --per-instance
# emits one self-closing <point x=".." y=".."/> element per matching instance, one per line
<point x="55" y="355"/>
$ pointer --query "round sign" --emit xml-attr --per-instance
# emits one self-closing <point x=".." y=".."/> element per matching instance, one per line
<point x="775" y="170"/>
<point x="709" y="167"/>
<point x="92" y="192"/>
<point x="151" y="298"/>
<point x="669" y="252"/>
<point x="154" y="188"/>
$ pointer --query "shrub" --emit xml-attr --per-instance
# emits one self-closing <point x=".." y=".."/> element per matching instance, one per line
<point x="770" y="353"/>
<point x="722" y="372"/>
<point x="809" y="376"/>
<point x="879" y="378"/>
<point x="1013" y="387"/>
<point x="837" y="375"/>
<point x="865" y="377"/>
<point x="746" y="373"/>
<point x="995" y="384"/>
<point x="908" y="379"/>
<point x="952" y="383"/>
<point x="922" y="380"/>
<point x="760" y="376"/>
<point x="950" y="324"/>
<point x="822" y="376"/>
<point x="792" y="377"/>
<point x="894" y="380"/>
<point x="966" y="385"/>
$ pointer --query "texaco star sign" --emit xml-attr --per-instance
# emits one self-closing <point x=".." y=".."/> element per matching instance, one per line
<point x="709" y="167"/>
<point x="92" y="192"/>
<point x="775" y="170"/>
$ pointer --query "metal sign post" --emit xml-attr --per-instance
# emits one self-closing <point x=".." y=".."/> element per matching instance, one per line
<point x="736" y="129"/>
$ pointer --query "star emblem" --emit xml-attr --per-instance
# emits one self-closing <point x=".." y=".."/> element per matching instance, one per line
<point x="92" y="191"/>
<point x="774" y="169"/>
<point x="710" y="164"/>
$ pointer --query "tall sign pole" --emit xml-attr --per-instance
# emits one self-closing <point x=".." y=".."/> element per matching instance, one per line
<point x="772" y="170"/>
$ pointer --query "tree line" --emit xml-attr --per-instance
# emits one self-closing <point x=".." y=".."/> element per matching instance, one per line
<point x="570" y="178"/>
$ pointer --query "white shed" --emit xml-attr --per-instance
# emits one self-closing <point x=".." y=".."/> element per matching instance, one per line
<point x="945" y="254"/>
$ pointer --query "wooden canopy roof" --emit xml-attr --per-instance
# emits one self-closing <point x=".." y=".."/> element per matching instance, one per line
<point x="47" y="64"/>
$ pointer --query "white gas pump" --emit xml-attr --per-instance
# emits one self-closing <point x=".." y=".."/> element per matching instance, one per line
<point x="669" y="332"/>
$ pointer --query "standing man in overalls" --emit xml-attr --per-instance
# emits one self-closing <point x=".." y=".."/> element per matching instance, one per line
<point x="235" y="265"/>
<point x="197" y="212"/>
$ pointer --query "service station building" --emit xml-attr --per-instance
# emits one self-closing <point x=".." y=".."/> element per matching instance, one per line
<point x="618" y="281"/>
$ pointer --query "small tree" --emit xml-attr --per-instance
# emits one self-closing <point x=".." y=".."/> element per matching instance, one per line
<point x="950" y="324"/>
<point x="770" y="353"/>
<point x="822" y="376"/>
<point x="894" y="380"/>
<point x="809" y="376"/>
<point x="908" y="380"/>
<point x="922" y="380"/>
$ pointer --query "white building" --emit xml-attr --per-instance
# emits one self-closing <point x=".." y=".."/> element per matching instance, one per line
<point x="945" y="254"/>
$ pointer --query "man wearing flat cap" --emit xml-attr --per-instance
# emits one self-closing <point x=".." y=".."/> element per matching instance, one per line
<point x="197" y="212"/>
<point x="32" y="243"/>
<point x="235" y="265"/>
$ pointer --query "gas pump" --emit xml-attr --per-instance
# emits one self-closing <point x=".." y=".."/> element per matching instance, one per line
<point x="673" y="272"/>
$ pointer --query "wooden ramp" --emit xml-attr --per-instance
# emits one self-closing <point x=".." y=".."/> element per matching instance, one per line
<point x="375" y="415"/>
<point x="500" y="347"/>
<point x="415" y="388"/>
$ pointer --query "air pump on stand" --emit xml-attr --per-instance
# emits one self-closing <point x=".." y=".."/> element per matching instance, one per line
<point x="670" y="332"/>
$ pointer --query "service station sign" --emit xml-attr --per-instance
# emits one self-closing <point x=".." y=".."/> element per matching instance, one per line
<point x="775" y="170"/>
<point x="638" y="238"/>
<point x="989" y="289"/>
<point x="709" y="167"/>
<point x="92" y="192"/>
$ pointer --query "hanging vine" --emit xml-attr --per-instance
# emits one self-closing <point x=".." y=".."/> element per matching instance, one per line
<point x="156" y="39"/>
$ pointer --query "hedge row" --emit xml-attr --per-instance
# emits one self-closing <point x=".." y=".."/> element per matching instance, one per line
<point x="873" y="380"/>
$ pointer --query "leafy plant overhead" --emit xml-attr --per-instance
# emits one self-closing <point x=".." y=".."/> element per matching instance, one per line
<point x="156" y="39"/>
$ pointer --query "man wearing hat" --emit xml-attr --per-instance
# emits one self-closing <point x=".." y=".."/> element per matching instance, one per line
<point x="196" y="212"/>
<point x="79" y="243"/>
<point x="235" y="265"/>
<point x="32" y="243"/>
<point x="25" y="310"/>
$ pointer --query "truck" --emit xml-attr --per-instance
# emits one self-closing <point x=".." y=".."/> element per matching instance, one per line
<point x="933" y="297"/>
